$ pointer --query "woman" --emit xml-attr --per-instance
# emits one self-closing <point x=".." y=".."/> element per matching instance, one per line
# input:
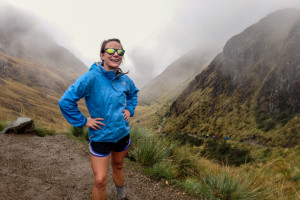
<point x="111" y="98"/>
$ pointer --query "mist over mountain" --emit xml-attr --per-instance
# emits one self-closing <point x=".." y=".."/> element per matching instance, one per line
<point x="171" y="82"/>
<point x="251" y="89"/>
<point x="34" y="69"/>
<point x="24" y="37"/>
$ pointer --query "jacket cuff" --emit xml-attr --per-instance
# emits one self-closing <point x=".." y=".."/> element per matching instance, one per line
<point x="130" y="110"/>
<point x="84" y="122"/>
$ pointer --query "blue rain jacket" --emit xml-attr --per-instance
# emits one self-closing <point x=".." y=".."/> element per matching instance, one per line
<point x="106" y="96"/>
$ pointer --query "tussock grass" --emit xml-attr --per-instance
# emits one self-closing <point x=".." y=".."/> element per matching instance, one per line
<point x="182" y="165"/>
<point x="42" y="131"/>
<point x="80" y="133"/>
<point x="2" y="125"/>
<point x="163" y="170"/>
<point x="192" y="186"/>
<point x="151" y="150"/>
<point x="225" y="186"/>
<point x="186" y="162"/>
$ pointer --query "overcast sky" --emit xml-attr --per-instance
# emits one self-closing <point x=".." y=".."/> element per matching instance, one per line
<point x="154" y="33"/>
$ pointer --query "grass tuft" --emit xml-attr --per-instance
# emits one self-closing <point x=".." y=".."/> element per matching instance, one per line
<point x="43" y="131"/>
<point x="162" y="170"/>
<point x="192" y="186"/>
<point x="222" y="185"/>
<point x="81" y="133"/>
<point x="186" y="162"/>
<point x="2" y="125"/>
<point x="151" y="151"/>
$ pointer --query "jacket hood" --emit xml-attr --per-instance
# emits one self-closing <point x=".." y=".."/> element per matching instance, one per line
<point x="98" y="67"/>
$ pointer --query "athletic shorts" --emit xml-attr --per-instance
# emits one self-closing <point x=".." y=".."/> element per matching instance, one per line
<point x="103" y="149"/>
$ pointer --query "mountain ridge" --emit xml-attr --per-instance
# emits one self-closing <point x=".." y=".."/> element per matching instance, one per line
<point x="172" y="81"/>
<point x="250" y="81"/>
<point x="34" y="70"/>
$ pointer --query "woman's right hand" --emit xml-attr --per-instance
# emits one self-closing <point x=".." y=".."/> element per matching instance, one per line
<point x="94" y="123"/>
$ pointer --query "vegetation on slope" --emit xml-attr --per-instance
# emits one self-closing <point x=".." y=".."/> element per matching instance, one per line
<point x="250" y="91"/>
<point x="271" y="175"/>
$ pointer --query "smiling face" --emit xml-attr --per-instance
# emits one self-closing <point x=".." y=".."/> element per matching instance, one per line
<point x="111" y="62"/>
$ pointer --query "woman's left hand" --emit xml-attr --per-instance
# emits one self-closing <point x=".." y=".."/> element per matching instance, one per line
<point x="126" y="114"/>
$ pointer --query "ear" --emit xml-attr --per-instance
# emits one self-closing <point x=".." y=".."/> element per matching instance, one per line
<point x="101" y="55"/>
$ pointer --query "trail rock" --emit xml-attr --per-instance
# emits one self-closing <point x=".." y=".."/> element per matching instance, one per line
<point x="20" y="125"/>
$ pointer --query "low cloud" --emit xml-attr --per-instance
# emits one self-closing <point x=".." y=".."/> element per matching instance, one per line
<point x="197" y="24"/>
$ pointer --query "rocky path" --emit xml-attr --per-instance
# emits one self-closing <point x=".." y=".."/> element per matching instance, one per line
<point x="57" y="167"/>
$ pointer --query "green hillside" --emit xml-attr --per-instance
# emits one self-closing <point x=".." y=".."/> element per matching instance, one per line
<point x="250" y="91"/>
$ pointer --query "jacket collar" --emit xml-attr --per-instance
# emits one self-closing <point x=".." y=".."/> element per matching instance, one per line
<point x="108" y="74"/>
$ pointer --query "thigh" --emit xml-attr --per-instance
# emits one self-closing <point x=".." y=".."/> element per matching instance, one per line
<point x="119" y="150"/>
<point x="118" y="157"/>
<point x="100" y="166"/>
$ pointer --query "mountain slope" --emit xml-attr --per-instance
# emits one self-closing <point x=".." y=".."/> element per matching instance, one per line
<point x="251" y="89"/>
<point x="157" y="96"/>
<point x="34" y="70"/>
<point x="171" y="82"/>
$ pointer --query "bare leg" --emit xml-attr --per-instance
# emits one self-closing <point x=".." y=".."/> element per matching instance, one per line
<point x="117" y="163"/>
<point x="100" y="170"/>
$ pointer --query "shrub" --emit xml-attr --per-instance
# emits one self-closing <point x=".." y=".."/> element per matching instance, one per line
<point x="283" y="117"/>
<point x="264" y="120"/>
<point x="224" y="153"/>
<point x="296" y="177"/>
<point x="291" y="137"/>
<point x="185" y="139"/>
<point x="267" y="122"/>
<point x="268" y="125"/>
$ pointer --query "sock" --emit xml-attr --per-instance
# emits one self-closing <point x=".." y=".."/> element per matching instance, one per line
<point x="120" y="191"/>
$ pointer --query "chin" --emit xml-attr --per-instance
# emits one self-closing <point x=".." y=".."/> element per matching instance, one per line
<point x="115" y="66"/>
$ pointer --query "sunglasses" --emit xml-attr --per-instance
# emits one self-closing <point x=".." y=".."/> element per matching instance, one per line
<point x="112" y="51"/>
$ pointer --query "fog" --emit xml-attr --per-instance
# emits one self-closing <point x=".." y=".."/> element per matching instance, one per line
<point x="154" y="33"/>
<point x="21" y="34"/>
<point x="198" y="24"/>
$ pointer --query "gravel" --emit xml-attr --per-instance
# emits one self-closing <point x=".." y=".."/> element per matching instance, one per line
<point x="57" y="167"/>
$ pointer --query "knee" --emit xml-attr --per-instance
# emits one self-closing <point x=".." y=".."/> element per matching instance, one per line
<point x="117" y="165"/>
<point x="100" y="182"/>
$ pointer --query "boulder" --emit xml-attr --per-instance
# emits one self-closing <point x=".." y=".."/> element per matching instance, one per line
<point x="20" y="125"/>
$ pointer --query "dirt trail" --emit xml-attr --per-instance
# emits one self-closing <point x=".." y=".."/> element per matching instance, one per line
<point x="57" y="167"/>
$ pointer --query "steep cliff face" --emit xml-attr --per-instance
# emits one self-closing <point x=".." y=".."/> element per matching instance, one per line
<point x="255" y="79"/>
